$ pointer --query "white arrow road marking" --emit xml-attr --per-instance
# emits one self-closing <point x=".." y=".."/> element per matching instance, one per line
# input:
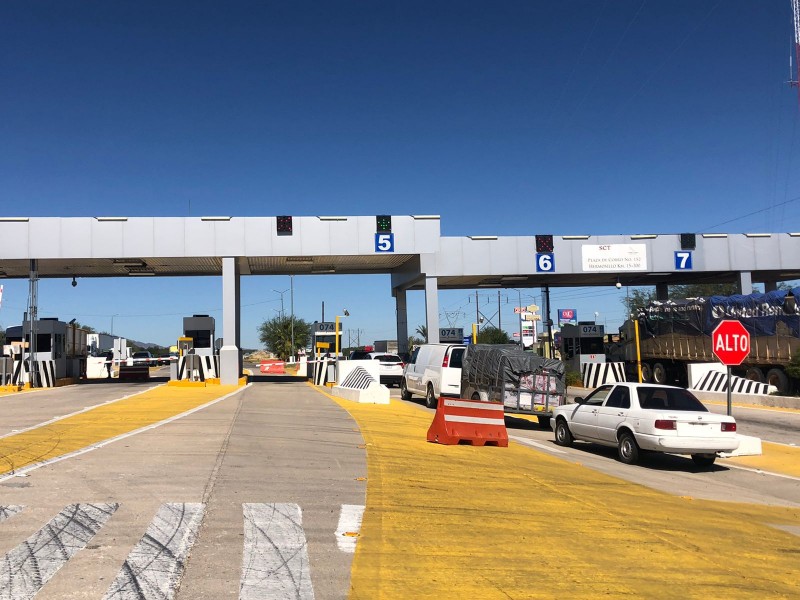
<point x="26" y="568"/>
<point x="275" y="560"/>
<point x="349" y="526"/>
<point x="154" y="567"/>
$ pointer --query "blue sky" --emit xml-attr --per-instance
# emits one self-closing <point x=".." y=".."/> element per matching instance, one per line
<point x="507" y="118"/>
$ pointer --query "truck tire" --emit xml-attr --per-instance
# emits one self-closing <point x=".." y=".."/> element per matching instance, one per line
<point x="647" y="373"/>
<point x="404" y="393"/>
<point x="430" y="397"/>
<point x="659" y="374"/>
<point x="779" y="379"/>
<point x="754" y="374"/>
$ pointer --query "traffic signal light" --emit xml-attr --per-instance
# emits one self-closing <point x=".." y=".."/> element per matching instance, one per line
<point x="284" y="225"/>
<point x="383" y="223"/>
<point x="544" y="243"/>
<point x="688" y="241"/>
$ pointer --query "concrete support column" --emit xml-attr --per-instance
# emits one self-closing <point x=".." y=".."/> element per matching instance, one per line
<point x="230" y="355"/>
<point x="770" y="286"/>
<point x="662" y="292"/>
<point x="745" y="282"/>
<point x="402" y="320"/>
<point x="432" y="309"/>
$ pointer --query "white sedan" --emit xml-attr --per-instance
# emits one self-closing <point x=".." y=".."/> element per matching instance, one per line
<point x="657" y="418"/>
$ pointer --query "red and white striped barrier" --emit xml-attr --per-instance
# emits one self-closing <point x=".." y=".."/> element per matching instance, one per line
<point x="469" y="421"/>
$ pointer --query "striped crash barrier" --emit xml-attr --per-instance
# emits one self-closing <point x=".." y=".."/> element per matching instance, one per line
<point x="474" y="422"/>
<point x="717" y="381"/>
<point x="596" y="374"/>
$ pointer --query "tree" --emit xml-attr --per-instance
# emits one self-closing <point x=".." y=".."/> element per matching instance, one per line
<point x="276" y="335"/>
<point x="493" y="335"/>
<point x="422" y="330"/>
<point x="87" y="328"/>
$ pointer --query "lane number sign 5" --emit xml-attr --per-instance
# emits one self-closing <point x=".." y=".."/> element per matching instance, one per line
<point x="545" y="262"/>
<point x="683" y="260"/>
<point x="384" y="242"/>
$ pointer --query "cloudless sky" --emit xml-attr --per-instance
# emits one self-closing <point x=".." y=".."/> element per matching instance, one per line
<point x="506" y="118"/>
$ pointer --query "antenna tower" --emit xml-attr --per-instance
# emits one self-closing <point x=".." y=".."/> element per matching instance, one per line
<point x="794" y="74"/>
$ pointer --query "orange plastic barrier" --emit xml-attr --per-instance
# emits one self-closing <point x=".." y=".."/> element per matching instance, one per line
<point x="272" y="366"/>
<point x="473" y="422"/>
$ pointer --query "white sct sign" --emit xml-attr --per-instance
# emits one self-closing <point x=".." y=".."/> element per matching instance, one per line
<point x="614" y="257"/>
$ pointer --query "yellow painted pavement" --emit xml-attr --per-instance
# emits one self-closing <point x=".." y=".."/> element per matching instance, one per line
<point x="102" y="423"/>
<point x="514" y="523"/>
<point x="776" y="458"/>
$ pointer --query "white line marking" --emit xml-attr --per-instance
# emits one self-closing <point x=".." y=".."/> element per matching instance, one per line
<point x="349" y="523"/>
<point x="275" y="561"/>
<point x="77" y="412"/>
<point x="761" y="471"/>
<point x="8" y="511"/>
<point x="154" y="567"/>
<point x="539" y="445"/>
<point x="25" y="570"/>
<point x="50" y="461"/>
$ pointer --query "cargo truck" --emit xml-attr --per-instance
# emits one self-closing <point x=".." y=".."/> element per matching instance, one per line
<point x="676" y="333"/>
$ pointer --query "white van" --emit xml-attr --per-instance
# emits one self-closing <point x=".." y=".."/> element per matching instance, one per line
<point x="434" y="371"/>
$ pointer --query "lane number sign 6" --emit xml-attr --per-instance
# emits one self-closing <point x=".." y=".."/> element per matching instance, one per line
<point x="545" y="262"/>
<point x="683" y="261"/>
<point x="384" y="242"/>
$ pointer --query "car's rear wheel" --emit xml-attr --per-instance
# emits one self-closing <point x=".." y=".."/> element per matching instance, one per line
<point x="704" y="460"/>
<point x="563" y="434"/>
<point x="404" y="393"/>
<point x="628" y="448"/>
<point x="430" y="397"/>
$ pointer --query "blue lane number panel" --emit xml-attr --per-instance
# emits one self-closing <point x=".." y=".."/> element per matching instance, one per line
<point x="683" y="260"/>
<point x="545" y="262"/>
<point x="384" y="242"/>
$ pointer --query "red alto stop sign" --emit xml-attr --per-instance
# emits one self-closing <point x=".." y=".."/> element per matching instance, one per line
<point x="730" y="342"/>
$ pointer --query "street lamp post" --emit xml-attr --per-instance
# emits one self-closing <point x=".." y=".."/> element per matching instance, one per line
<point x="336" y="335"/>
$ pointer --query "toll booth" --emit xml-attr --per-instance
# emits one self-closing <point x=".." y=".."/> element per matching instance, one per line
<point x="198" y="358"/>
<point x="582" y="344"/>
<point x="201" y="329"/>
<point x="60" y="351"/>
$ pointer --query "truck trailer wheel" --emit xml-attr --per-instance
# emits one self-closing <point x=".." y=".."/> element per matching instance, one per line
<point x="647" y="373"/>
<point x="659" y="373"/>
<point x="779" y="379"/>
<point x="754" y="374"/>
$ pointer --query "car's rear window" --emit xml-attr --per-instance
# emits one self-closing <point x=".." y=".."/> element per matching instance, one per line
<point x="653" y="398"/>
<point x="456" y="358"/>
<point x="389" y="358"/>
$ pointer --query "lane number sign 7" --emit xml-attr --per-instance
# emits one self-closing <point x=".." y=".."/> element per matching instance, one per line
<point x="683" y="261"/>
<point x="545" y="262"/>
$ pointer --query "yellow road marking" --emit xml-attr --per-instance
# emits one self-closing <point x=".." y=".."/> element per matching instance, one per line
<point x="472" y="522"/>
<point x="777" y="458"/>
<point x="101" y="423"/>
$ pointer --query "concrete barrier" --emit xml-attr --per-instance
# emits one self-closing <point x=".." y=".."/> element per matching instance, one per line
<point x="359" y="385"/>
<point x="748" y="446"/>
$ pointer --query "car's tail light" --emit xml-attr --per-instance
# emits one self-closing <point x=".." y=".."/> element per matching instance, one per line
<point x="445" y="360"/>
<point x="402" y="365"/>
<point x="729" y="427"/>
<point x="666" y="424"/>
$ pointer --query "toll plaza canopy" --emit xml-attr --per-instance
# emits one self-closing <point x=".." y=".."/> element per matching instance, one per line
<point x="409" y="247"/>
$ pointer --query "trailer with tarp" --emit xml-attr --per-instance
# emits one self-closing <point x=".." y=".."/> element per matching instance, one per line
<point x="524" y="382"/>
